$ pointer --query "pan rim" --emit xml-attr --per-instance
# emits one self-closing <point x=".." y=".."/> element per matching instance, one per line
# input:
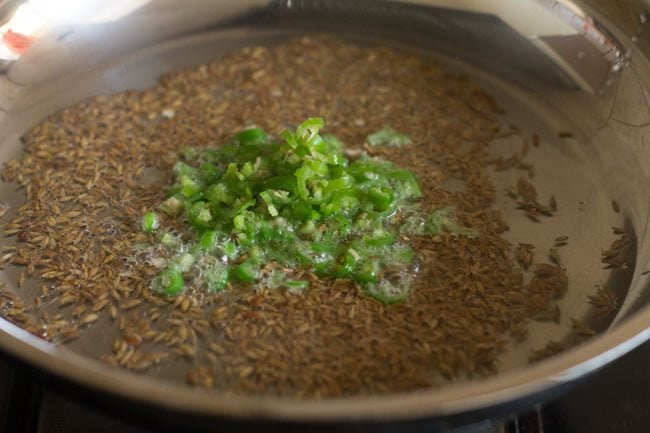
<point x="445" y="401"/>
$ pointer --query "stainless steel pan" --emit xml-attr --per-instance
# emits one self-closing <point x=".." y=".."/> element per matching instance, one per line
<point x="555" y="66"/>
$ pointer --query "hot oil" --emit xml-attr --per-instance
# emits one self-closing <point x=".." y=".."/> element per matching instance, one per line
<point x="563" y="168"/>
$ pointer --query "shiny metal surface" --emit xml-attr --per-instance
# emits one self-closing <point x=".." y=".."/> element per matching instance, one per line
<point x="555" y="65"/>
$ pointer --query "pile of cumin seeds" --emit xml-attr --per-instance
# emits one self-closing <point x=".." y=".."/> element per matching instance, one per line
<point x="92" y="170"/>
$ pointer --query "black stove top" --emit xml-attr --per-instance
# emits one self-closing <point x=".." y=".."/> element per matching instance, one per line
<point x="615" y="400"/>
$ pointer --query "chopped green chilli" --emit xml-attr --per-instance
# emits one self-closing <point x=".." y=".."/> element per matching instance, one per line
<point x="387" y="136"/>
<point x="150" y="222"/>
<point x="261" y="209"/>
<point x="170" y="282"/>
